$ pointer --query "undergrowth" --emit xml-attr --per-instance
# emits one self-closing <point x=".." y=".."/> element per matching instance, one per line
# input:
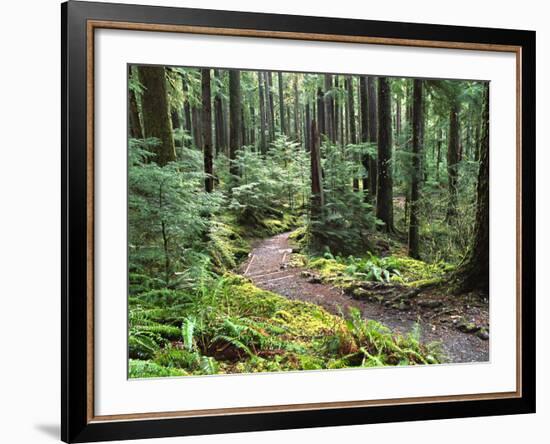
<point x="390" y="269"/>
<point x="227" y="325"/>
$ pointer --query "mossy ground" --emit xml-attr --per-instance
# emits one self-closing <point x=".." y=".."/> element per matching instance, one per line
<point x="231" y="326"/>
<point x="391" y="269"/>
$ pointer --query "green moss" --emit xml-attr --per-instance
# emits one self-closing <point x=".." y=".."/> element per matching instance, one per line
<point x="328" y="268"/>
<point x="226" y="246"/>
<point x="418" y="273"/>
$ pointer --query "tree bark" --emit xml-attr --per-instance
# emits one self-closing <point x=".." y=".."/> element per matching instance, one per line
<point x="218" y="116"/>
<point x="297" y="112"/>
<point x="384" y="204"/>
<point x="133" y="116"/>
<point x="329" y="108"/>
<point x="365" y="160"/>
<point x="270" y="107"/>
<point x="207" y="131"/>
<point x="317" y="198"/>
<point x="372" y="110"/>
<point x="281" y="103"/>
<point x="186" y="105"/>
<point x="452" y="161"/>
<point x="156" y="120"/>
<point x="307" y="132"/>
<point x="320" y="111"/>
<point x="438" y="159"/>
<point x="418" y="122"/>
<point x="197" y="126"/>
<point x="351" y="122"/>
<point x="175" y="118"/>
<point x="234" y="119"/>
<point x="473" y="274"/>
<point x="261" y="100"/>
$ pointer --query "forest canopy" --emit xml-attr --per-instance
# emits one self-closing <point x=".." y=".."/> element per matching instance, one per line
<point x="283" y="221"/>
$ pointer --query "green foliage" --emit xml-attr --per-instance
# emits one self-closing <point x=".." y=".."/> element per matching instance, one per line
<point x="398" y="269"/>
<point x="233" y="326"/>
<point x="148" y="369"/>
<point x="347" y="219"/>
<point x="268" y="187"/>
<point x="168" y="211"/>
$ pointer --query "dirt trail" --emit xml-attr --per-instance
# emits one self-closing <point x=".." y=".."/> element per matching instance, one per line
<point x="267" y="266"/>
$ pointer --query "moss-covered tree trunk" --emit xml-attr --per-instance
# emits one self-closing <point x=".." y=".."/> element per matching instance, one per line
<point x="234" y="119"/>
<point x="418" y="123"/>
<point x="384" y="201"/>
<point x="473" y="274"/>
<point x="156" y="118"/>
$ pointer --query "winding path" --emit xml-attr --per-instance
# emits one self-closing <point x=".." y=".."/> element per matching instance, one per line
<point x="268" y="268"/>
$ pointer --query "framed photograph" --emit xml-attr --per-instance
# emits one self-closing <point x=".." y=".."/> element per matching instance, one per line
<point x="275" y="221"/>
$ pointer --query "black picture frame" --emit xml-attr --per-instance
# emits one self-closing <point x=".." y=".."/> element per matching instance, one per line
<point x="76" y="424"/>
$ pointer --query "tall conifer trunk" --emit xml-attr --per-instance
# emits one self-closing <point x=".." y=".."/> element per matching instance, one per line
<point x="156" y="118"/>
<point x="207" y="131"/>
<point x="384" y="202"/>
<point x="418" y="122"/>
<point x="234" y="119"/>
<point x="372" y="109"/>
<point x="473" y="274"/>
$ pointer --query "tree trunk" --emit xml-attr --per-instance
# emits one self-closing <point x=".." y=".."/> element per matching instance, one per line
<point x="317" y="198"/>
<point x="156" y="120"/>
<point x="452" y="162"/>
<point x="307" y="132"/>
<point x="197" y="126"/>
<point x="297" y="112"/>
<point x="372" y="110"/>
<point x="133" y="116"/>
<point x="270" y="107"/>
<point x="261" y="100"/>
<point x="281" y="103"/>
<point x="252" y="130"/>
<point x="234" y="119"/>
<point x="418" y="122"/>
<point x="244" y="140"/>
<point x="175" y="118"/>
<point x="186" y="105"/>
<point x="364" y="135"/>
<point x="351" y="122"/>
<point x="438" y="160"/>
<point x="398" y="123"/>
<point x="218" y="116"/>
<point x="329" y="108"/>
<point x="320" y="111"/>
<point x="207" y="130"/>
<point x="473" y="274"/>
<point x="384" y="204"/>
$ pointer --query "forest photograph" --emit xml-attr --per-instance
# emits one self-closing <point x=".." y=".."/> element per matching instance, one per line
<point x="291" y="221"/>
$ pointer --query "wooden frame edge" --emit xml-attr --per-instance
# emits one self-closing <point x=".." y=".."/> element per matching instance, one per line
<point x="91" y="25"/>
